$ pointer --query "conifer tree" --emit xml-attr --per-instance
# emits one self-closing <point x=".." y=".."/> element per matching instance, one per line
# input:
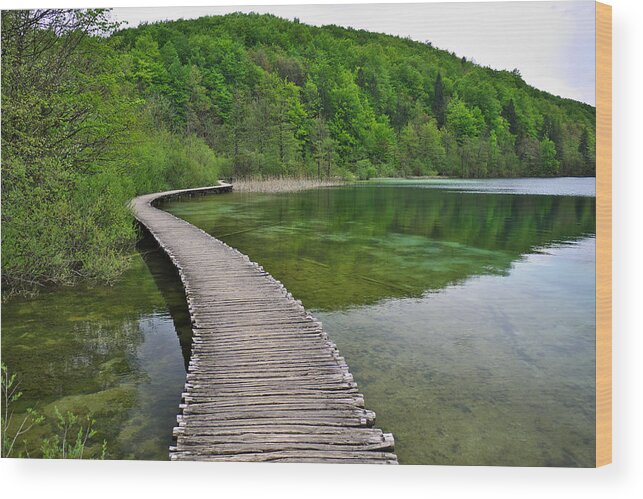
<point x="439" y="102"/>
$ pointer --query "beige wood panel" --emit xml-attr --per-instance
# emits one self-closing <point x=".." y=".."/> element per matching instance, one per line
<point x="603" y="234"/>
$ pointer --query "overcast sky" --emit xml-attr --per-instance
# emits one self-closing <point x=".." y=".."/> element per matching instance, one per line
<point x="551" y="43"/>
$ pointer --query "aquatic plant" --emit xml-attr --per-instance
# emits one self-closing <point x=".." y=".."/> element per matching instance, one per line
<point x="63" y="445"/>
<point x="12" y="430"/>
<point x="73" y="435"/>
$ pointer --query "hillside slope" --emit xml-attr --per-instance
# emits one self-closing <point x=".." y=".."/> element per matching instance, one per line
<point x="277" y="97"/>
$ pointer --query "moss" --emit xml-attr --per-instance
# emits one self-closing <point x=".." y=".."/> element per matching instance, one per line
<point x="111" y="404"/>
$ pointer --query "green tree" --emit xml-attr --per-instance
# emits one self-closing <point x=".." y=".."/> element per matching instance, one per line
<point x="65" y="109"/>
<point x="355" y="81"/>
<point x="548" y="158"/>
<point x="174" y="84"/>
<point x="463" y="121"/>
<point x="509" y="113"/>
<point x="13" y="428"/>
<point x="323" y="147"/>
<point x="439" y="105"/>
<point x="379" y="143"/>
<point x="199" y="116"/>
<point x="148" y="70"/>
<point x="78" y="117"/>
<point x="585" y="150"/>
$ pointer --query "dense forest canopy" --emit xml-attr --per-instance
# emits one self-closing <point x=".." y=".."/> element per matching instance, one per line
<point x="277" y="97"/>
<point x="93" y="115"/>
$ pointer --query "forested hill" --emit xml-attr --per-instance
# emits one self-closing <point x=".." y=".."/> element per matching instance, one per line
<point x="277" y="97"/>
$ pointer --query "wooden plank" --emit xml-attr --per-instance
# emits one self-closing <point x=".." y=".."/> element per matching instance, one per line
<point x="264" y="382"/>
<point x="363" y="457"/>
<point x="217" y="421"/>
<point x="278" y="429"/>
<point x="278" y="441"/>
<point x="240" y="405"/>
<point x="255" y="386"/>
<point x="245" y="398"/>
<point x="235" y="448"/>
<point x="379" y="441"/>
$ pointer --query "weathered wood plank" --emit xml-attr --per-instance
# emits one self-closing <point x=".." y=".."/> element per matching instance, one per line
<point x="235" y="448"/>
<point x="363" y="457"/>
<point x="220" y="420"/>
<point x="263" y="442"/>
<point x="241" y="399"/>
<point x="279" y="429"/>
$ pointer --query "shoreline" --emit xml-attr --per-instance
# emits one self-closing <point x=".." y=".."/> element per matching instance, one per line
<point x="284" y="184"/>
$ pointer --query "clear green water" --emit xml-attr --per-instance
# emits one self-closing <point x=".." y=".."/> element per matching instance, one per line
<point x="115" y="352"/>
<point x="465" y="310"/>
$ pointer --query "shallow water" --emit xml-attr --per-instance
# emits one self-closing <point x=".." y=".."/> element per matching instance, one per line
<point x="465" y="314"/>
<point x="114" y="352"/>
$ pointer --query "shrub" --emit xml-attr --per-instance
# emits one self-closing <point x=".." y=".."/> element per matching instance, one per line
<point x="365" y="169"/>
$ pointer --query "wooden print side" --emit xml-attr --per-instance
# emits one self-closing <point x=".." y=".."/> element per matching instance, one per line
<point x="603" y="234"/>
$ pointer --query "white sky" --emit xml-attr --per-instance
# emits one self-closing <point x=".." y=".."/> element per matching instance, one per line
<point x="551" y="43"/>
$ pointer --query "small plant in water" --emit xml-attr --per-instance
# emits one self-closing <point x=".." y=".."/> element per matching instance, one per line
<point x="73" y="431"/>
<point x="13" y="430"/>
<point x="73" y="434"/>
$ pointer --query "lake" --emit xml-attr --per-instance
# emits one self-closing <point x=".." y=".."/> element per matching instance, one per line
<point x="465" y="310"/>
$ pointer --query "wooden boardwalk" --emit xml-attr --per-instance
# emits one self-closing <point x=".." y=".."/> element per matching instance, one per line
<point x="264" y="383"/>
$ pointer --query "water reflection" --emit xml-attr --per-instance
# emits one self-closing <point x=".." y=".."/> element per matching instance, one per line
<point x="168" y="282"/>
<point x="109" y="351"/>
<point x="371" y="243"/>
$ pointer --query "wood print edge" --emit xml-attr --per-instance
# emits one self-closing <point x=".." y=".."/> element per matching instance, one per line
<point x="603" y="234"/>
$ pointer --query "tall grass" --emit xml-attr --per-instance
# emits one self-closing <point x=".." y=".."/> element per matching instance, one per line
<point x="282" y="184"/>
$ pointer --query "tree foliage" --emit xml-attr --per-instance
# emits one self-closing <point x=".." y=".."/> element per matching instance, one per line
<point x="278" y="87"/>
<point x="78" y="141"/>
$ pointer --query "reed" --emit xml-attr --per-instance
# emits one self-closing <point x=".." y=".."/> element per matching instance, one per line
<point x="279" y="184"/>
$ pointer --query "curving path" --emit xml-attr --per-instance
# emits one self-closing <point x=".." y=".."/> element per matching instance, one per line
<point x="264" y="383"/>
